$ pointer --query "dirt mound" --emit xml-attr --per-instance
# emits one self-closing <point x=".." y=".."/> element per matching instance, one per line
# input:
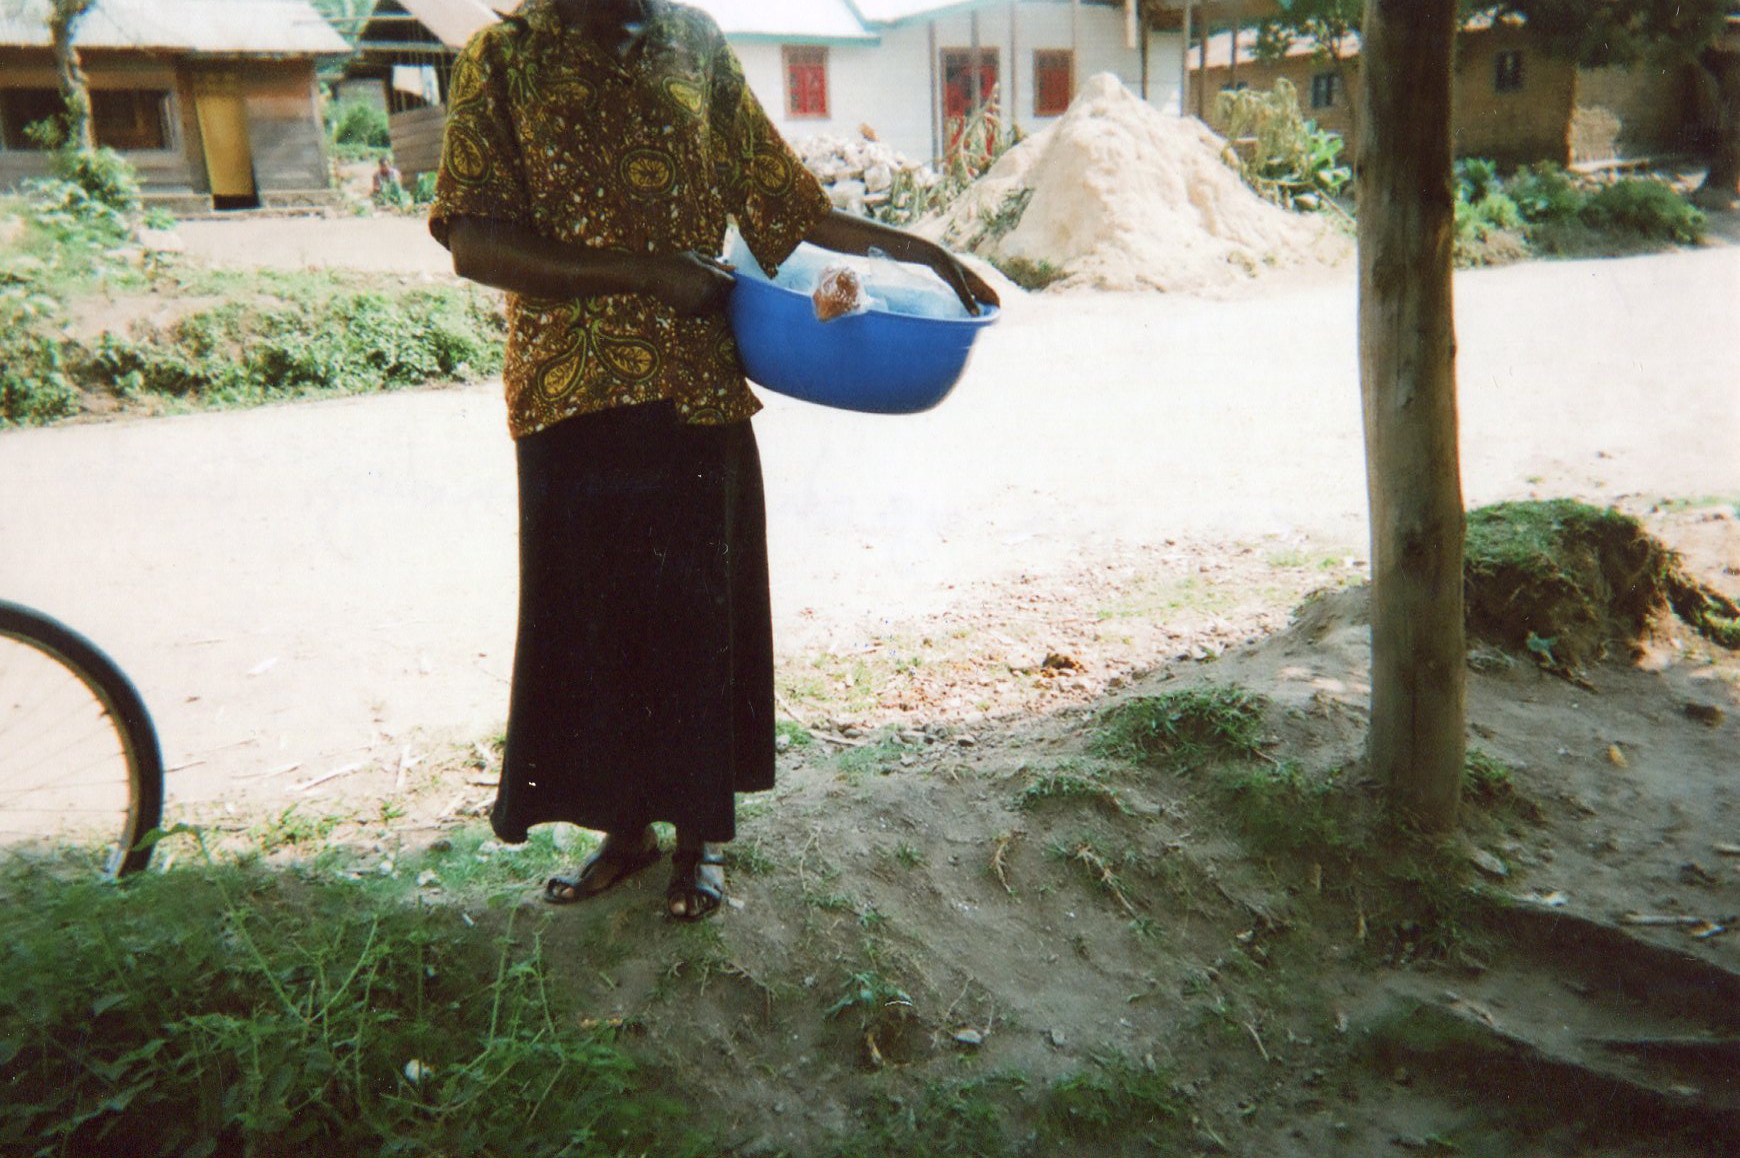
<point x="1118" y="195"/>
<point x="1575" y="584"/>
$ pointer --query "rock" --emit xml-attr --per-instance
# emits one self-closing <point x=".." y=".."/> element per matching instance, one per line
<point x="161" y="241"/>
<point x="970" y="1037"/>
<point x="1487" y="863"/>
<point x="1057" y="1038"/>
<point x="1708" y="714"/>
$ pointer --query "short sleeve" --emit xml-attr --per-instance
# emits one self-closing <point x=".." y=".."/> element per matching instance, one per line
<point x="481" y="173"/>
<point x="775" y="200"/>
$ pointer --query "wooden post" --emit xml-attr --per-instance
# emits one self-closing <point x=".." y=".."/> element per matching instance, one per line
<point x="1184" y="60"/>
<point x="1408" y="384"/>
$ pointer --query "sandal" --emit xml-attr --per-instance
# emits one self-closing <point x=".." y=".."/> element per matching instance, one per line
<point x="697" y="887"/>
<point x="605" y="869"/>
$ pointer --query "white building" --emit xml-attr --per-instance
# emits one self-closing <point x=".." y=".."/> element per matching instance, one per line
<point x="905" y="68"/>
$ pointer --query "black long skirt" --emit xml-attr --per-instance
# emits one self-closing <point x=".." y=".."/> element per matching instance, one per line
<point x="643" y="673"/>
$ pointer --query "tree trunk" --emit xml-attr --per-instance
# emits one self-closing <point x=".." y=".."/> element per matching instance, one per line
<point x="75" y="88"/>
<point x="1721" y="187"/>
<point x="1408" y="384"/>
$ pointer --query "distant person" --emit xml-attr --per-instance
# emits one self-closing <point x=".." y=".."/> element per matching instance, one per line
<point x="594" y="151"/>
<point x="385" y="180"/>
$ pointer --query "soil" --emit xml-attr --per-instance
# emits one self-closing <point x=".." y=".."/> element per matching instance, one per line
<point x="327" y="587"/>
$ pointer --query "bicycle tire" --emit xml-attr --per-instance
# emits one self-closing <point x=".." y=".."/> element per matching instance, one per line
<point x="122" y="710"/>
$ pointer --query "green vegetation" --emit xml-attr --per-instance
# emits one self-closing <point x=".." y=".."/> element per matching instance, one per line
<point x="254" y="351"/>
<point x="1566" y="581"/>
<point x="1029" y="275"/>
<point x="217" y="1009"/>
<point x="281" y="335"/>
<point x="1191" y="726"/>
<point x="1290" y="161"/>
<point x="1282" y="808"/>
<point x="1544" y="209"/>
<point x="1071" y="785"/>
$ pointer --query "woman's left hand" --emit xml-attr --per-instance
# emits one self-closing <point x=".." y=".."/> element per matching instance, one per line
<point x="968" y="286"/>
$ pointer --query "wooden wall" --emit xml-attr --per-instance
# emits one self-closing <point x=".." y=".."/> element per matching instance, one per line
<point x="417" y="140"/>
<point x="285" y="134"/>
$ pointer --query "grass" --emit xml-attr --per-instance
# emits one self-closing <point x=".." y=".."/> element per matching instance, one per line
<point x="220" y="1009"/>
<point x="1281" y="808"/>
<point x="1185" y="727"/>
<point x="1066" y="785"/>
<point x="266" y="335"/>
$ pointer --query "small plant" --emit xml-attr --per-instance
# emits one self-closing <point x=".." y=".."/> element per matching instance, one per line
<point x="794" y="734"/>
<point x="1113" y="1097"/>
<point x="1088" y="788"/>
<point x="1486" y="779"/>
<point x="1283" y="809"/>
<point x="1029" y="275"/>
<point x="1191" y="726"/>
<point x="908" y="856"/>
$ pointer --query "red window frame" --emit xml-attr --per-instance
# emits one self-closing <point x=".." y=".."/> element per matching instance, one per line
<point x="806" y="81"/>
<point x="1053" y="81"/>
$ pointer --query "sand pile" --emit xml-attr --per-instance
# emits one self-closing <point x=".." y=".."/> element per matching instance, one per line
<point x="1119" y="195"/>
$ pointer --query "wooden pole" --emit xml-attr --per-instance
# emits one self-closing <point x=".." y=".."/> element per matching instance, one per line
<point x="1184" y="60"/>
<point x="1408" y="385"/>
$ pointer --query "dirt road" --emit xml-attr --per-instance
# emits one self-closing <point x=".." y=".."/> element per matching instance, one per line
<point x="317" y="584"/>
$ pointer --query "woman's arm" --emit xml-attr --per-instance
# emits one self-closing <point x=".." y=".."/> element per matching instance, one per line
<point x="845" y="233"/>
<point x="517" y="259"/>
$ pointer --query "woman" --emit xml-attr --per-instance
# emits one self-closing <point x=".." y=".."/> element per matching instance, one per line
<point x="594" y="151"/>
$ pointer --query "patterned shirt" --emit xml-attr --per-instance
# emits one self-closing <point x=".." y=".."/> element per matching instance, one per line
<point x="548" y="129"/>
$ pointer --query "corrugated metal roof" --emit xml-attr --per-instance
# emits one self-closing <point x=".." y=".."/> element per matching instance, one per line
<point x="807" y="19"/>
<point x="895" y="11"/>
<point x="218" y="27"/>
<point x="455" y="21"/>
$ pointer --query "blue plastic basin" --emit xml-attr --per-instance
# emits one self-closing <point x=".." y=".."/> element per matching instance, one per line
<point x="879" y="363"/>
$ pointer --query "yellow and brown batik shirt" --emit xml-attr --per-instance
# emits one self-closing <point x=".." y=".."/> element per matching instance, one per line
<point x="649" y="154"/>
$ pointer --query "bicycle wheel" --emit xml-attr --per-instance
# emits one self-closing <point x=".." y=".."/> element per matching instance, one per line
<point x="79" y="761"/>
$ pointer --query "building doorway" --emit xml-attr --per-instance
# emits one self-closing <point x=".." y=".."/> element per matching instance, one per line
<point x="223" y="130"/>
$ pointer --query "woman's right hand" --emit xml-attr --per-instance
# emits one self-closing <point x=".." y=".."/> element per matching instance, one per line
<point x="689" y="282"/>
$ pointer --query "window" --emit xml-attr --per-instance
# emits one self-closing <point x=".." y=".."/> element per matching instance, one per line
<point x="125" y="119"/>
<point x="1053" y="82"/>
<point x="806" y="82"/>
<point x="22" y="107"/>
<point x="1324" y="86"/>
<point x="130" y="118"/>
<point x="1507" y="72"/>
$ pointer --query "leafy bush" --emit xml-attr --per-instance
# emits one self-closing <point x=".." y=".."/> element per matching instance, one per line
<point x="1544" y="192"/>
<point x="356" y="341"/>
<point x="106" y="177"/>
<point x="1645" y="207"/>
<point x="1291" y="162"/>
<point x="357" y="122"/>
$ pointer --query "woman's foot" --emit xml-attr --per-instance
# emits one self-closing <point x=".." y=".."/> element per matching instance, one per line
<point x="697" y="887"/>
<point x="618" y="858"/>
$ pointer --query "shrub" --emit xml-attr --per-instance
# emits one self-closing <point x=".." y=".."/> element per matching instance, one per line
<point x="357" y="122"/>
<point x="106" y="177"/>
<point x="1292" y="162"/>
<point x="1645" y="207"/>
<point x="1544" y="192"/>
